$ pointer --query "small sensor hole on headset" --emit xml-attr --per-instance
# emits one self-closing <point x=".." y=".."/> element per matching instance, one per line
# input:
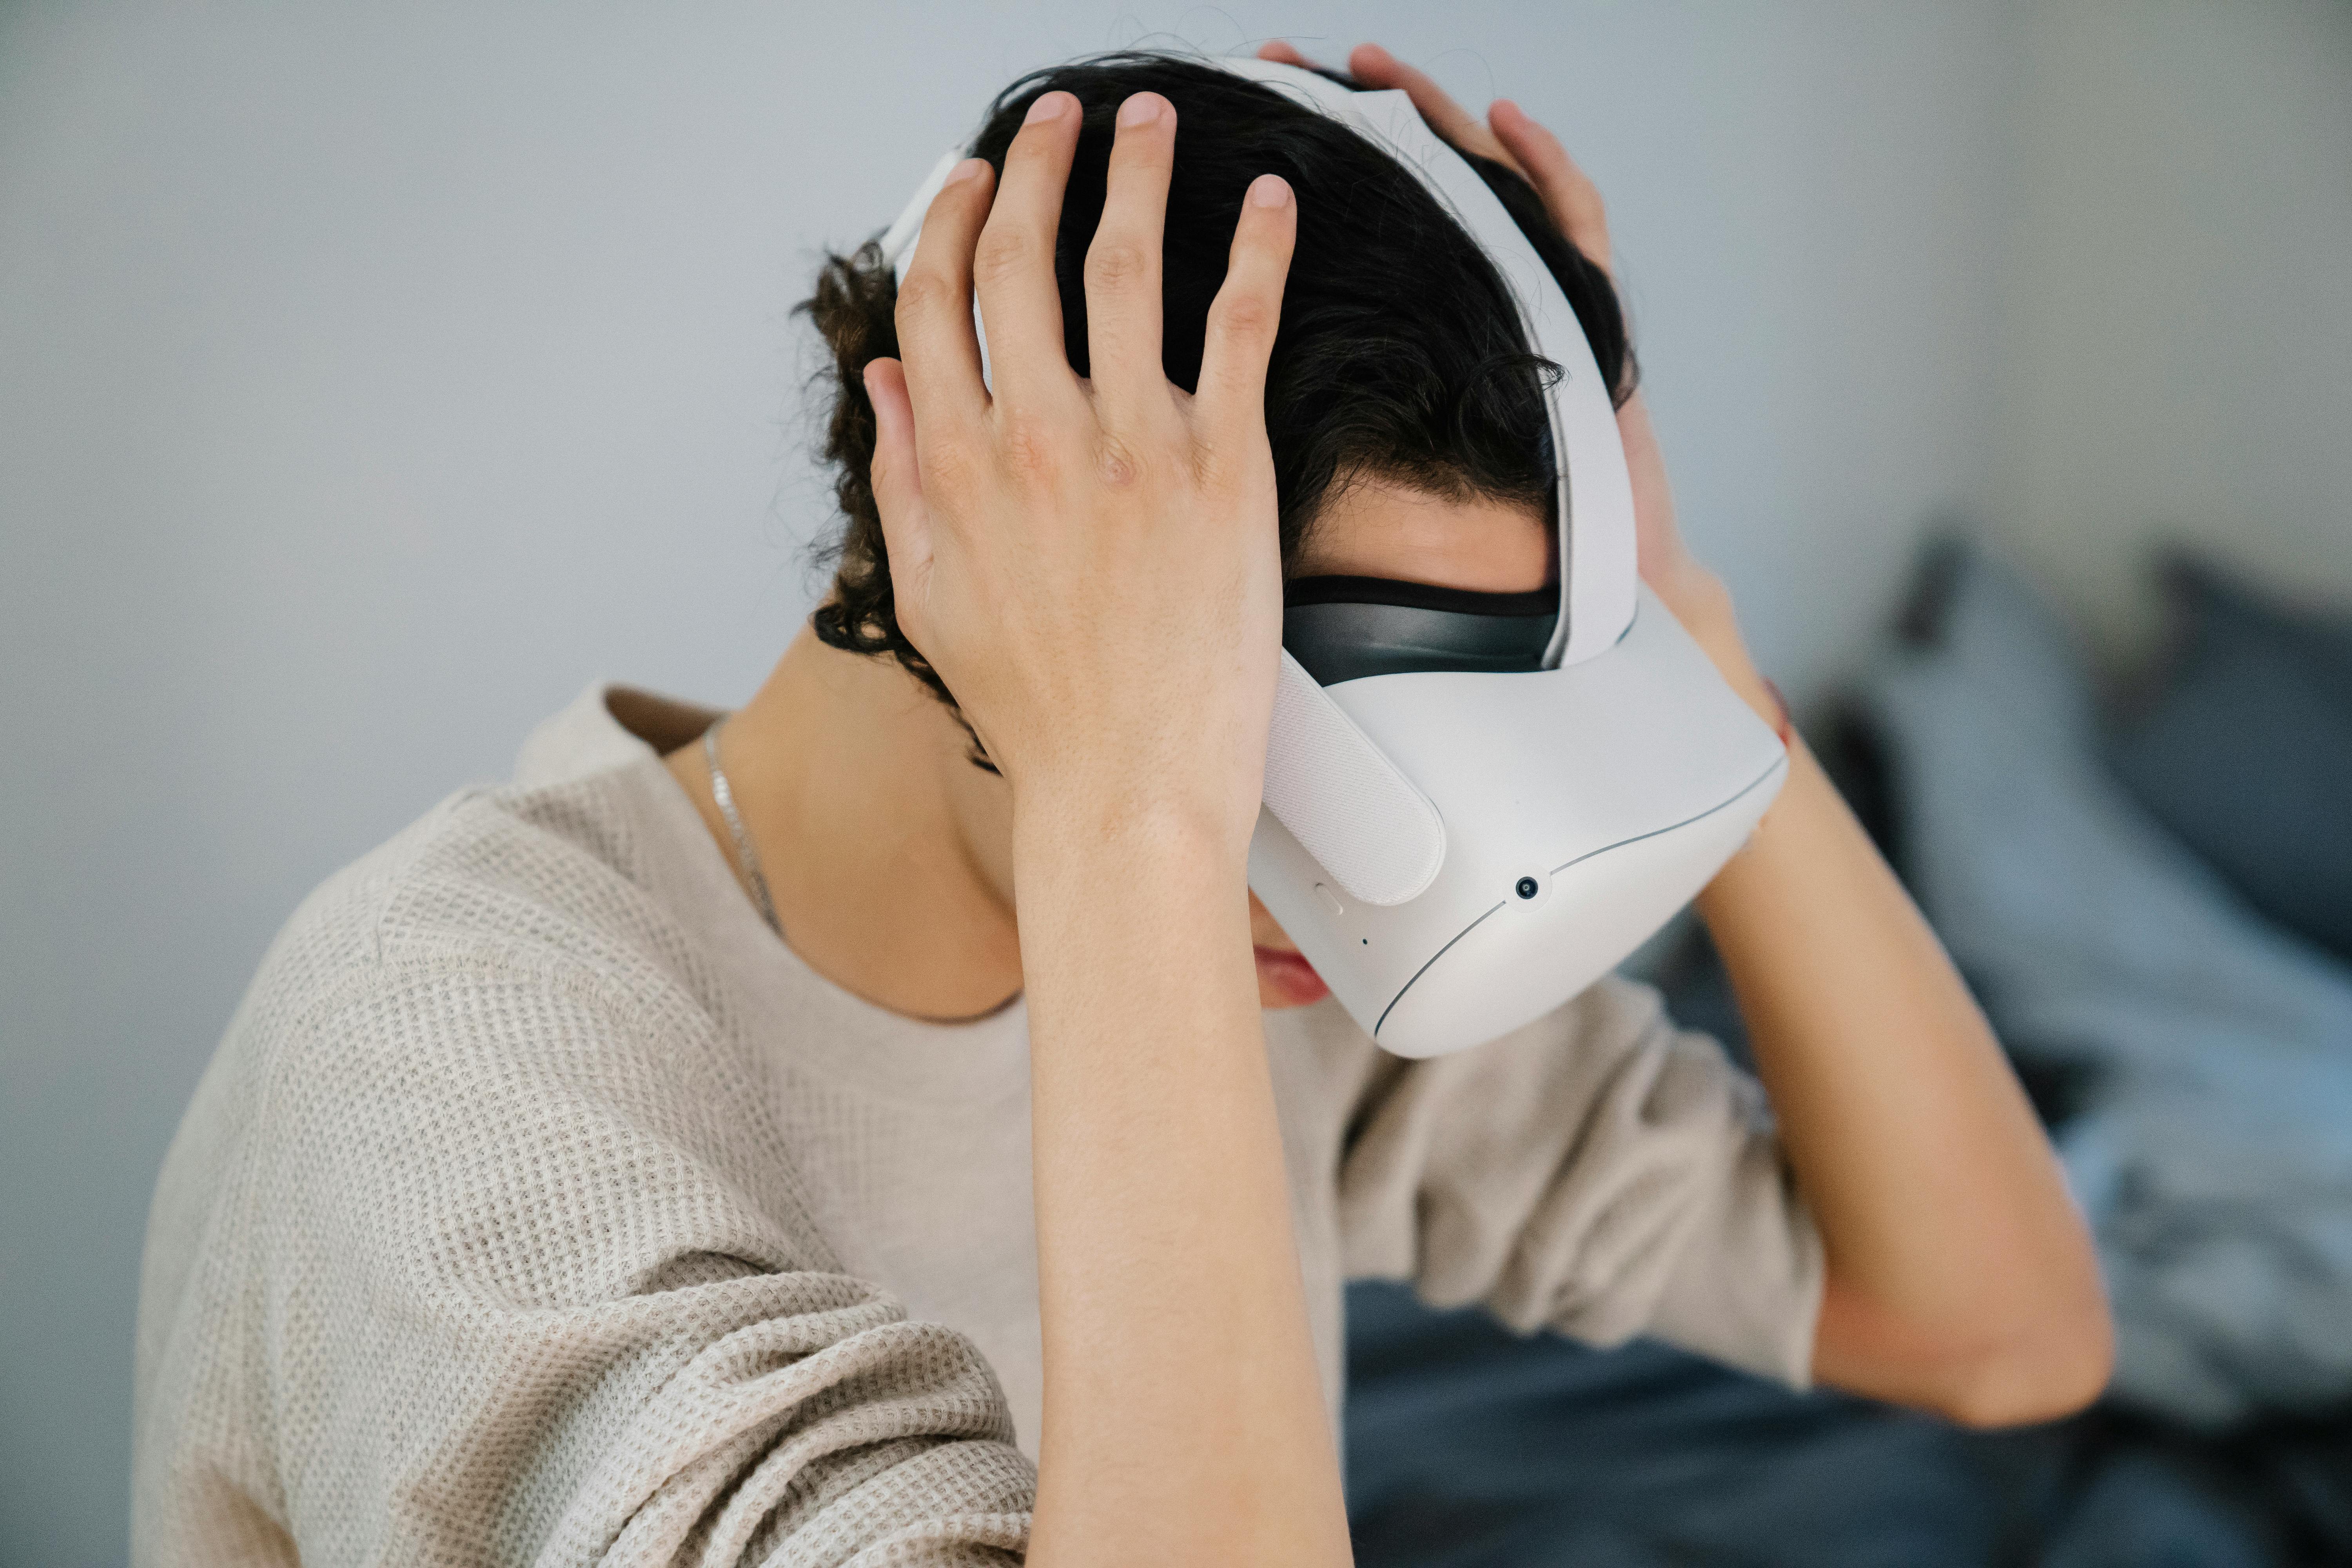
<point x="1527" y="887"/>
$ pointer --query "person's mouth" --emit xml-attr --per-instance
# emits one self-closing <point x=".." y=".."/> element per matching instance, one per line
<point x="1286" y="979"/>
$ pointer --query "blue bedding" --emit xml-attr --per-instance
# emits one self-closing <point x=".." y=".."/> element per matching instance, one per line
<point x="1470" y="1448"/>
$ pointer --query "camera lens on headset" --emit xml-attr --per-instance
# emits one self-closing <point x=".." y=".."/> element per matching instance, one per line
<point x="1526" y="887"/>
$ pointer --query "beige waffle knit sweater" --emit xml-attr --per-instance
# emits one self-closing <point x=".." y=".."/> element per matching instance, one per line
<point x="541" y="1208"/>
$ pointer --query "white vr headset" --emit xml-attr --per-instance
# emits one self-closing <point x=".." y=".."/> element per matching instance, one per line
<point x="1476" y="805"/>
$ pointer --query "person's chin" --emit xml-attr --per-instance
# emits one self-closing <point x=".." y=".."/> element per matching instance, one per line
<point x="1287" y="980"/>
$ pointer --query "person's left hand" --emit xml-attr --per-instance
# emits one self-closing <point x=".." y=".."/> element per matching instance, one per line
<point x="1509" y="136"/>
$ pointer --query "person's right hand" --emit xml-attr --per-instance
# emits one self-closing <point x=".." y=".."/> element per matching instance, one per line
<point x="1510" y="137"/>
<point x="1091" y="564"/>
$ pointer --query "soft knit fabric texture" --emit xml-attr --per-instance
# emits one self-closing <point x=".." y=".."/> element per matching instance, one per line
<point x="541" y="1206"/>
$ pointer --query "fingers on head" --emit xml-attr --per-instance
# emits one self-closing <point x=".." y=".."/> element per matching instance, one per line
<point x="894" y="427"/>
<point x="1245" y="316"/>
<point x="1123" y="261"/>
<point x="1013" y="261"/>
<point x="896" y="476"/>
<point x="934" y="309"/>
<point x="1568" y="192"/>
<point x="1536" y="148"/>
<point x="1375" y="66"/>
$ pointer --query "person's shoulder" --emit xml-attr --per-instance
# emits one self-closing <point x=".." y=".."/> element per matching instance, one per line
<point x="499" y="988"/>
<point x="1615" y="1006"/>
<point x="1613" y="1035"/>
<point x="1608" y="1017"/>
<point x="543" y="889"/>
<point x="1611" y="1015"/>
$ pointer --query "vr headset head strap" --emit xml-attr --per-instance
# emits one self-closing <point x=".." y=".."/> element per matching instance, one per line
<point x="1595" y="496"/>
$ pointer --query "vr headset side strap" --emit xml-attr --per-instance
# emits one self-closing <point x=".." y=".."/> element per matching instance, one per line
<point x="1345" y="802"/>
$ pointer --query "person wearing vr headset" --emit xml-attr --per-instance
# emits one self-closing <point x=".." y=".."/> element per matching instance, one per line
<point x="884" y="1127"/>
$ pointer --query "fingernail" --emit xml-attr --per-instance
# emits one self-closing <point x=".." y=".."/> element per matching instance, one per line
<point x="1269" y="191"/>
<point x="968" y="169"/>
<point x="1048" y="107"/>
<point x="1141" y="110"/>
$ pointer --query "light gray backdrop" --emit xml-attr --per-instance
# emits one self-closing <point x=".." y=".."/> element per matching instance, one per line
<point x="372" y="378"/>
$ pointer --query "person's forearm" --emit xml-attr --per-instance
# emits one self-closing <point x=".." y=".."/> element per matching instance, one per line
<point x="1960" y="1277"/>
<point x="1110" y="630"/>
<point x="1184" y="1419"/>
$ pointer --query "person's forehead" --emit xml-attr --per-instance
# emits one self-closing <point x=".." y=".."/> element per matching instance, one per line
<point x="1375" y="528"/>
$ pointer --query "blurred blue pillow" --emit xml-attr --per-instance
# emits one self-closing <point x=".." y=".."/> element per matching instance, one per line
<point x="2244" y="750"/>
<point x="2212" y="1148"/>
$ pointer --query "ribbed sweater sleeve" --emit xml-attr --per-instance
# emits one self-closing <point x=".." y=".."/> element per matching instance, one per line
<point x="1601" y="1172"/>
<point x="497" y="1261"/>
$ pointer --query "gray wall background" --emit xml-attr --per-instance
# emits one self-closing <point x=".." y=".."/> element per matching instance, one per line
<point x="371" y="379"/>
<point x="2177" y="298"/>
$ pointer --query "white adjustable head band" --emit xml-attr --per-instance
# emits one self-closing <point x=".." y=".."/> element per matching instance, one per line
<point x="1598" y="565"/>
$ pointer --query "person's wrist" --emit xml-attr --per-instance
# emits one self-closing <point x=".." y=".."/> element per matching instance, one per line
<point x="1169" y="830"/>
<point x="1135" y="886"/>
<point x="1739" y="672"/>
<point x="1697" y="597"/>
<point x="1700" y="600"/>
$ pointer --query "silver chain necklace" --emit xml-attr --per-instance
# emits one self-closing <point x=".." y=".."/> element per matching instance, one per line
<point x="746" y="855"/>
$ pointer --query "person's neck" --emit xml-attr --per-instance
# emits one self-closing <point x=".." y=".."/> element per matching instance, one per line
<point x="887" y="853"/>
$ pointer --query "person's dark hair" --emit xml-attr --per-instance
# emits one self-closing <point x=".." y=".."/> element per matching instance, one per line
<point x="1400" y="355"/>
